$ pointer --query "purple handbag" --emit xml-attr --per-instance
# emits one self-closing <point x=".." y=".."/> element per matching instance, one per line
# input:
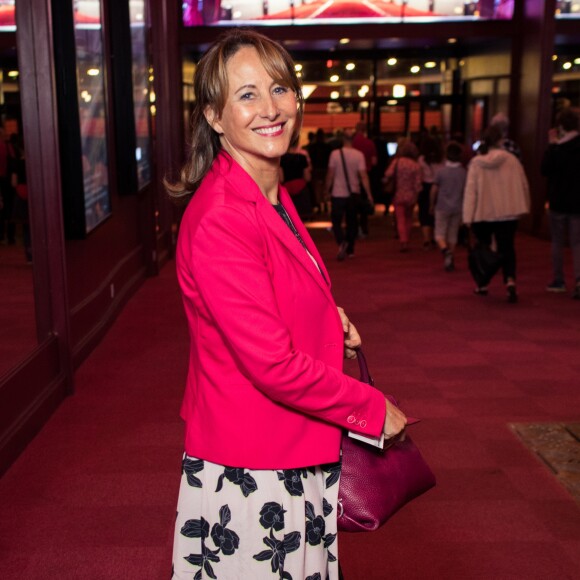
<point x="376" y="483"/>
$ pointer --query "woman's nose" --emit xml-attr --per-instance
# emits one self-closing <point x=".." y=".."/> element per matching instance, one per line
<point x="269" y="108"/>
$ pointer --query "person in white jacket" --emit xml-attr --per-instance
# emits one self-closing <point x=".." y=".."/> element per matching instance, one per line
<point x="496" y="196"/>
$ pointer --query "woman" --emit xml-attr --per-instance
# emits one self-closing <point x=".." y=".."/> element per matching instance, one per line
<point x="295" y="172"/>
<point x="266" y="400"/>
<point x="496" y="195"/>
<point x="406" y="172"/>
<point x="430" y="160"/>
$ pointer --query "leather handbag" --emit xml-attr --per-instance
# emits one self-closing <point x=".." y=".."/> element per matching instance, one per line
<point x="376" y="483"/>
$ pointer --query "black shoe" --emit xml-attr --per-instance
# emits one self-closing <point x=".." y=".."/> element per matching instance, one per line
<point x="512" y="296"/>
<point x="341" y="252"/>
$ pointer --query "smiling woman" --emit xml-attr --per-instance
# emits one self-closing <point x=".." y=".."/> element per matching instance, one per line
<point x="266" y="399"/>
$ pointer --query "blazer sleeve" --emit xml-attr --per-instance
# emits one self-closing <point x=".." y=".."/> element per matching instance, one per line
<point x="227" y="257"/>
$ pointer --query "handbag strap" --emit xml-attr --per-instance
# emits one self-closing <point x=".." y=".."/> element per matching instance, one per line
<point x="365" y="376"/>
<point x="345" y="172"/>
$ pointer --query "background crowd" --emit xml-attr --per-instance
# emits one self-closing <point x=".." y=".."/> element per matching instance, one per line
<point x="457" y="194"/>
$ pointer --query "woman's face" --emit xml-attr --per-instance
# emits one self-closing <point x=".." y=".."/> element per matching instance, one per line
<point x="259" y="116"/>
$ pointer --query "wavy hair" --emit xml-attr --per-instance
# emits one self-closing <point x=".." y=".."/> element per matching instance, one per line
<point x="210" y="92"/>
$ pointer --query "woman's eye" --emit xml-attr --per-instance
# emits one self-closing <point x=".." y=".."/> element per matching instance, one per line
<point x="246" y="96"/>
<point x="280" y="90"/>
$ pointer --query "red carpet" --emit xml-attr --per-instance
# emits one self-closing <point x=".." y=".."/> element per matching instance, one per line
<point x="94" y="495"/>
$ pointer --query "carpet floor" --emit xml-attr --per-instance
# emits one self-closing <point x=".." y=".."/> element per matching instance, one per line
<point x="94" y="495"/>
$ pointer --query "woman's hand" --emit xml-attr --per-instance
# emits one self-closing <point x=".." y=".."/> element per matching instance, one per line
<point x="352" y="339"/>
<point x="395" y="421"/>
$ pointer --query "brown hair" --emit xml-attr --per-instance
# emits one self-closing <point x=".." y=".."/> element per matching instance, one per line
<point x="210" y="90"/>
<point x="408" y="149"/>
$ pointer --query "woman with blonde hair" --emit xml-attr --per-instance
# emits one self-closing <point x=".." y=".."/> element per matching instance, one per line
<point x="266" y="400"/>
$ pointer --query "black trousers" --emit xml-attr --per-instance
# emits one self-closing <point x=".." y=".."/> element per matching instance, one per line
<point x="345" y="207"/>
<point x="504" y="233"/>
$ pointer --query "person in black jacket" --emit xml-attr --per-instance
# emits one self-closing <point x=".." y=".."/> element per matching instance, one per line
<point x="561" y="165"/>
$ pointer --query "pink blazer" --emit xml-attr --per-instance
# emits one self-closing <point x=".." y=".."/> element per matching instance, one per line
<point x="265" y="389"/>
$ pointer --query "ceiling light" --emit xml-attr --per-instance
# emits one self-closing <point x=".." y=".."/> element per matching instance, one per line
<point x="13" y="74"/>
<point x="344" y="40"/>
<point x="297" y="67"/>
<point x="567" y="65"/>
<point x="576" y="61"/>
<point x="554" y="57"/>
<point x="350" y="66"/>
<point x="392" y="61"/>
<point x="93" y="72"/>
<point x="334" y="78"/>
<point x="364" y="105"/>
<point x="334" y="95"/>
<point x="392" y="102"/>
<point x="430" y="64"/>
<point x="415" y="69"/>
<point x="452" y="40"/>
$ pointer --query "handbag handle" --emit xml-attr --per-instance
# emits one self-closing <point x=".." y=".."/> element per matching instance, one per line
<point x="365" y="376"/>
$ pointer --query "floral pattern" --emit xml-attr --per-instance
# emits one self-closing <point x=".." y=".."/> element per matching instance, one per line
<point x="216" y="533"/>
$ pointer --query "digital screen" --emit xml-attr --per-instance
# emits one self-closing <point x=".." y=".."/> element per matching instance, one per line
<point x="281" y="12"/>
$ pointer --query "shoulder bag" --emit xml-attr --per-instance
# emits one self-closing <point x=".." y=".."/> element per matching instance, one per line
<point x="376" y="483"/>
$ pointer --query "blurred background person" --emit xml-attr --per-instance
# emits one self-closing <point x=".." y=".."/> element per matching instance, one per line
<point x="561" y="165"/>
<point x="407" y="173"/>
<point x="496" y="195"/>
<point x="447" y="203"/>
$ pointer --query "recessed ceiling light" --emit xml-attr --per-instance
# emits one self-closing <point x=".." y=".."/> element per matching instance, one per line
<point x="392" y="61"/>
<point x="567" y="65"/>
<point x="415" y="69"/>
<point x="334" y="78"/>
<point x="430" y="64"/>
<point x="334" y="95"/>
<point x="344" y="40"/>
<point x="350" y="66"/>
<point x="452" y="40"/>
<point x="297" y="67"/>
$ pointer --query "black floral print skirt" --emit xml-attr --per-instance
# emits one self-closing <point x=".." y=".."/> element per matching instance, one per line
<point x="254" y="524"/>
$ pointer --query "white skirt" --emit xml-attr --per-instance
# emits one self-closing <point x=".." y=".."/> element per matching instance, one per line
<point x="256" y="524"/>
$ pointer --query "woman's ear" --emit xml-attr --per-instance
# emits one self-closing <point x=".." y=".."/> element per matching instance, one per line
<point x="213" y="120"/>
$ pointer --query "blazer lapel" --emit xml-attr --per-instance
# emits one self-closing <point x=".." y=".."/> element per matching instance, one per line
<point x="245" y="187"/>
<point x="277" y="226"/>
